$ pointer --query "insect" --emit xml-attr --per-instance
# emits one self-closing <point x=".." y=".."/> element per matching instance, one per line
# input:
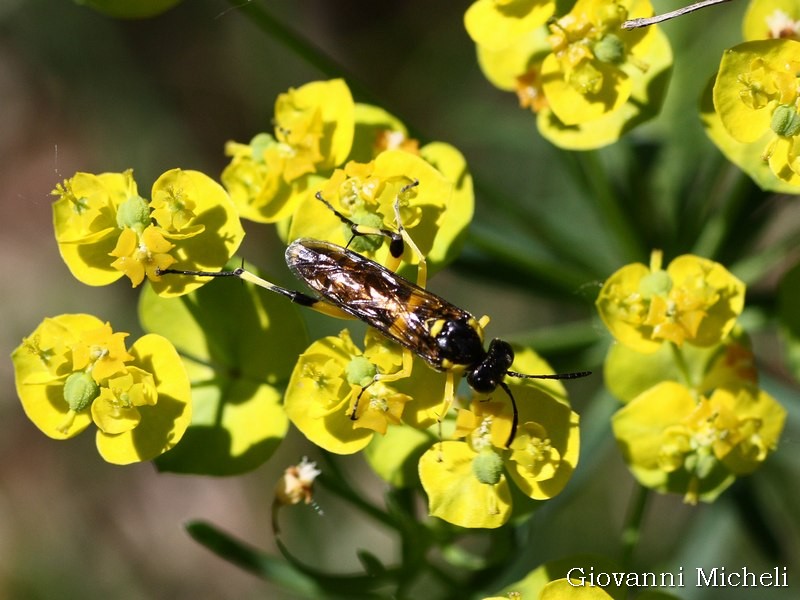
<point x="447" y="337"/>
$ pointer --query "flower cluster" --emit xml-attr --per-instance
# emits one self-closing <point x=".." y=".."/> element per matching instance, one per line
<point x="328" y="160"/>
<point x="588" y="80"/>
<point x="358" y="157"/>
<point x="694" y="417"/>
<point x="105" y="230"/>
<point x="750" y="108"/>
<point x="466" y="477"/>
<point x="73" y="370"/>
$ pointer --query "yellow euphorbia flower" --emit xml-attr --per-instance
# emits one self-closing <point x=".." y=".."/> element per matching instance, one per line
<point x="593" y="61"/>
<point x="138" y="256"/>
<point x="74" y="370"/>
<point x="105" y="230"/>
<point x="366" y="193"/>
<point x="677" y="441"/>
<point x="466" y="481"/>
<point x="314" y="128"/>
<point x="756" y="97"/>
<point x="694" y="300"/>
<point x="330" y="382"/>
<point x="588" y="81"/>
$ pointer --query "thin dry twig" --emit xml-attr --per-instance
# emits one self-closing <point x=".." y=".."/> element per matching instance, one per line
<point x="645" y="21"/>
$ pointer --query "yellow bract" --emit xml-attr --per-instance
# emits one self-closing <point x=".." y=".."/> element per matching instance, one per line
<point x="674" y="440"/>
<point x="771" y="19"/>
<point x="314" y="129"/>
<point x="320" y="398"/>
<point x="694" y="300"/>
<point x="366" y="193"/>
<point x="454" y="492"/>
<point x="496" y="24"/>
<point x="140" y="401"/>
<point x="756" y="94"/>
<point x="105" y="230"/>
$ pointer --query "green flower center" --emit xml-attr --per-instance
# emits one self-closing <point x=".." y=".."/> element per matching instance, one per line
<point x="360" y="371"/>
<point x="80" y="390"/>
<point x="134" y="214"/>
<point x="488" y="467"/>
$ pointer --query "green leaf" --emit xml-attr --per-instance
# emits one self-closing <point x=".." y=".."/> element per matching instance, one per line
<point x="239" y="344"/>
<point x="789" y="316"/>
<point x="250" y="559"/>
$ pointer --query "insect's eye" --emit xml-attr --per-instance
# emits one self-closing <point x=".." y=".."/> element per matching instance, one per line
<point x="460" y="343"/>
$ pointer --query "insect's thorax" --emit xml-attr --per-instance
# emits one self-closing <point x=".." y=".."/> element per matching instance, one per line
<point x="459" y="342"/>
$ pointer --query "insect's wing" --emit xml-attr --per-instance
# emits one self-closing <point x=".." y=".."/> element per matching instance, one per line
<point x="399" y="309"/>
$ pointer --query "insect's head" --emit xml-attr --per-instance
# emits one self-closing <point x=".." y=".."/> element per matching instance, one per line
<point x="486" y="375"/>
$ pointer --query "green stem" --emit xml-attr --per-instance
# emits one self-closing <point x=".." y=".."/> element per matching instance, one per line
<point x="728" y="195"/>
<point x="557" y="276"/>
<point x="680" y="361"/>
<point x="753" y="267"/>
<point x="300" y="45"/>
<point x="335" y="482"/>
<point x="594" y="180"/>
<point x="632" y="532"/>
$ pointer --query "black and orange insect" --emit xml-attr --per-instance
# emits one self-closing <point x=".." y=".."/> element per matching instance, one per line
<point x="447" y="337"/>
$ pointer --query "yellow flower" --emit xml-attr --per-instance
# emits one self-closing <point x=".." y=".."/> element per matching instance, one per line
<point x="755" y="95"/>
<point x="314" y="128"/>
<point x="366" y="193"/>
<point x="677" y="441"/>
<point x="101" y="352"/>
<point x="105" y="229"/>
<point x="593" y="63"/>
<point x="331" y="382"/>
<point x="694" y="300"/>
<point x="74" y="370"/>
<point x="138" y="256"/>
<point x="623" y="74"/>
<point x="467" y="481"/>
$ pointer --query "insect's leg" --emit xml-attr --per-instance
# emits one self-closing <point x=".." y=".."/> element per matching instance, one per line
<point x="300" y="298"/>
<point x="422" y="265"/>
<point x="395" y="241"/>
<point x="449" y="398"/>
<point x="405" y="371"/>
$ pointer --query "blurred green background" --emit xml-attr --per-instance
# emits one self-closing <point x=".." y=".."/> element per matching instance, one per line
<point x="82" y="92"/>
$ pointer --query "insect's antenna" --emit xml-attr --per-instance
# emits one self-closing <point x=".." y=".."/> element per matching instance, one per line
<point x="514" y="415"/>
<point x="575" y="375"/>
